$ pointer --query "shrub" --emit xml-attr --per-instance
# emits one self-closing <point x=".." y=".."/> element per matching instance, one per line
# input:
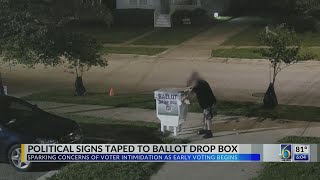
<point x="317" y="26"/>
<point x="199" y="13"/>
<point x="133" y="17"/>
<point x="198" y="17"/>
<point x="302" y="24"/>
<point x="178" y="16"/>
<point x="89" y="16"/>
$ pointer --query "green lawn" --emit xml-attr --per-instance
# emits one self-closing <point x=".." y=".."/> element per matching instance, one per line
<point x="314" y="51"/>
<point x="253" y="53"/>
<point x="249" y="37"/>
<point x="133" y="50"/>
<point x="113" y="35"/>
<point x="146" y="101"/>
<point x="122" y="132"/>
<point x="169" y="36"/>
<point x="303" y="171"/>
<point x="246" y="53"/>
<point x="310" y="39"/>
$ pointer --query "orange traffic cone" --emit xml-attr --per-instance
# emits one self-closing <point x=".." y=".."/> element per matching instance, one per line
<point x="111" y="93"/>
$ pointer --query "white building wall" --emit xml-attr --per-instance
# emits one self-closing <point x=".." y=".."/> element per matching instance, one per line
<point x="156" y="3"/>
<point x="125" y="4"/>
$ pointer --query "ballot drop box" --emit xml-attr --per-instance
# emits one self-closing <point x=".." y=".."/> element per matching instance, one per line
<point x="171" y="109"/>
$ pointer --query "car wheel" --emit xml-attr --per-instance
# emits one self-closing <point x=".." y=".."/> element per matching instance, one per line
<point x="14" y="157"/>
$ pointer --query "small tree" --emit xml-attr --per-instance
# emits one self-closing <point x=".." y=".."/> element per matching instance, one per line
<point x="307" y="7"/>
<point x="31" y="33"/>
<point x="97" y="9"/>
<point x="24" y="39"/>
<point x="81" y="53"/>
<point x="283" y="51"/>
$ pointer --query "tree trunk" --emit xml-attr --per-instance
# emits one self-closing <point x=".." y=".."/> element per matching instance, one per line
<point x="1" y="86"/>
<point x="270" y="98"/>
<point x="274" y="73"/>
<point x="80" y="90"/>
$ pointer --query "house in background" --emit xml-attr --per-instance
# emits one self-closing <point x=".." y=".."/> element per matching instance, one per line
<point x="163" y="9"/>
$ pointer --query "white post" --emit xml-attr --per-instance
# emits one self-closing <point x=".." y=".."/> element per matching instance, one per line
<point x="5" y="88"/>
<point x="269" y="31"/>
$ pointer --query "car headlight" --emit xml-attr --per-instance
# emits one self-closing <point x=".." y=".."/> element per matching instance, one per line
<point x="46" y="141"/>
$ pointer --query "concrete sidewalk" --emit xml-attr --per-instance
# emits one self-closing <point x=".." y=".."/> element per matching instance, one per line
<point x="222" y="123"/>
<point x="128" y="114"/>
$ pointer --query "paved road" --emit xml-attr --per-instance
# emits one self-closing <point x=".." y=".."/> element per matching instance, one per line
<point x="231" y="80"/>
<point x="298" y="84"/>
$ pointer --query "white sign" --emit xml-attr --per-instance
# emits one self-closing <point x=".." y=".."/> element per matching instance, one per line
<point x="168" y="104"/>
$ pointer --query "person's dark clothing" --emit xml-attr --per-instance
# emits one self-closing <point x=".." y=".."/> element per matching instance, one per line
<point x="204" y="94"/>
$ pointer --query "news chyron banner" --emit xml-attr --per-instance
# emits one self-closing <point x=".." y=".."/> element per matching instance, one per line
<point x="169" y="153"/>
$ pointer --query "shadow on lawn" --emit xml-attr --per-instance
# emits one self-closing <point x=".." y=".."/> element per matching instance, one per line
<point x="121" y="134"/>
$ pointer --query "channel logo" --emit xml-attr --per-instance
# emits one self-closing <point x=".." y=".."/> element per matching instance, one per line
<point x="286" y="152"/>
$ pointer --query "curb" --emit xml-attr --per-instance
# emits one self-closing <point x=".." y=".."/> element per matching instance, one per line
<point x="48" y="175"/>
<point x="200" y="59"/>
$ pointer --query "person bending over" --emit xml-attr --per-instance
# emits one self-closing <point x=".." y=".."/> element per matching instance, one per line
<point x="207" y="102"/>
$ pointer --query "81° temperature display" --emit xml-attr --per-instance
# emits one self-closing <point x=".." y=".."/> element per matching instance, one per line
<point x="301" y="152"/>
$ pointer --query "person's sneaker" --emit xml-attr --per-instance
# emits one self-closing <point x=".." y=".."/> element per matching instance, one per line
<point x="201" y="132"/>
<point x="208" y="135"/>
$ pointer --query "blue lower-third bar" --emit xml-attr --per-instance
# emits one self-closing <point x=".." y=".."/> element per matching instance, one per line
<point x="143" y="157"/>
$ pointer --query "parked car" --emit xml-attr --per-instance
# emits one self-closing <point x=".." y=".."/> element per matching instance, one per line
<point x="24" y="123"/>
